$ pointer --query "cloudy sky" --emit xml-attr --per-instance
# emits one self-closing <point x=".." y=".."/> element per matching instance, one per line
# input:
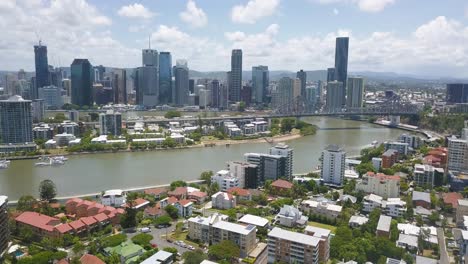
<point x="423" y="37"/>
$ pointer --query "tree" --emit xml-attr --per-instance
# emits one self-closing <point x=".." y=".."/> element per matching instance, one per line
<point x="94" y="116"/>
<point x="47" y="190"/>
<point x="172" y="211"/>
<point x="78" y="248"/>
<point x="26" y="203"/>
<point x="172" y="113"/>
<point x="241" y="106"/>
<point x="365" y="167"/>
<point x="142" y="239"/>
<point x="162" y="220"/>
<point x="206" y="176"/>
<point x="194" y="257"/>
<point x="176" y="184"/>
<point x="226" y="250"/>
<point x="287" y="124"/>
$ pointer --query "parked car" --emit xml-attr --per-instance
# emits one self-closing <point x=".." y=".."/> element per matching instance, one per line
<point x="145" y="229"/>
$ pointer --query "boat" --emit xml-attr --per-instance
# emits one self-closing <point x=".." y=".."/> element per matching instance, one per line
<point x="51" y="161"/>
<point x="374" y="143"/>
<point x="62" y="158"/>
<point x="4" y="164"/>
<point x="42" y="164"/>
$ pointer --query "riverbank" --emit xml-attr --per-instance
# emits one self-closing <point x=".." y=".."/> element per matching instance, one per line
<point x="271" y="140"/>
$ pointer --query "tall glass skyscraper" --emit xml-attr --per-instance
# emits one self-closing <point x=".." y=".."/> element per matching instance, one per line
<point x="181" y="73"/>
<point x="260" y="82"/>
<point x="235" y="84"/>
<point x="82" y="76"/>
<point x="147" y="79"/>
<point x="330" y="74"/>
<point x="150" y="57"/>
<point x="341" y="63"/>
<point x="165" y="78"/>
<point x="335" y="93"/>
<point x="302" y="75"/>
<point x="355" y="92"/>
<point x="42" y="69"/>
<point x="457" y="93"/>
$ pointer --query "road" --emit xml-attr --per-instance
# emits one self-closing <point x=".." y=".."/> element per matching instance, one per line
<point x="161" y="242"/>
<point x="444" y="257"/>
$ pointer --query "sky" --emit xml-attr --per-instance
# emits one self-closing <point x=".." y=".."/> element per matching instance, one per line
<point x="419" y="37"/>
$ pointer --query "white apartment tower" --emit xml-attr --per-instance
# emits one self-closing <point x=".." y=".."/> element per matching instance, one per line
<point x="333" y="165"/>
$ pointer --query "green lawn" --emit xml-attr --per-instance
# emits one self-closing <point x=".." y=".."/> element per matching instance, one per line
<point x="329" y="227"/>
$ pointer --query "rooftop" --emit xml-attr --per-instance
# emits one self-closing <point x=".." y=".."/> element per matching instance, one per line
<point x="317" y="231"/>
<point x="421" y="196"/>
<point x="384" y="223"/>
<point x="294" y="237"/>
<point x="382" y="176"/>
<point x="282" y="184"/>
<point x="160" y="256"/>
<point x="238" y="191"/>
<point x="254" y="220"/>
<point x="409" y="240"/>
<point x="113" y="192"/>
<point x="235" y="228"/>
<point x="334" y="148"/>
<point x="90" y="259"/>
<point x="37" y="220"/>
<point x="3" y="199"/>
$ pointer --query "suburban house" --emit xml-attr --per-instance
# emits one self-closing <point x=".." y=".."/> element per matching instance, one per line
<point x="240" y="194"/>
<point x="422" y="199"/>
<point x="281" y="185"/>
<point x="222" y="200"/>
<point x="290" y="216"/>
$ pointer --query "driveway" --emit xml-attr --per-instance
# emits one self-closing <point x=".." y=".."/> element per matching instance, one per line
<point x="444" y="257"/>
<point x="160" y="241"/>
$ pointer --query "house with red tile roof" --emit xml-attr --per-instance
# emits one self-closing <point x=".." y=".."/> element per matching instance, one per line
<point x="82" y="208"/>
<point x="168" y="201"/>
<point x="197" y="196"/>
<point x="90" y="259"/>
<point x="241" y="194"/>
<point x="281" y="185"/>
<point x="90" y="222"/>
<point x="155" y="211"/>
<point x="179" y="193"/>
<point x="78" y="226"/>
<point x="63" y="261"/>
<point x="156" y="192"/>
<point x="64" y="229"/>
<point x="139" y="203"/>
<point x="102" y="218"/>
<point x="94" y="209"/>
<point x="70" y="205"/>
<point x="185" y="207"/>
<point x="41" y="225"/>
<point x="452" y="199"/>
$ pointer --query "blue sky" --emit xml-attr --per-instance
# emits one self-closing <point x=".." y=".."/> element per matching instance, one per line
<point x="423" y="37"/>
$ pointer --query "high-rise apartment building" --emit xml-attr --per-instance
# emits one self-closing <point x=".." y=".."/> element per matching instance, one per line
<point x="291" y="247"/>
<point x="335" y="96"/>
<point x="260" y="83"/>
<point x="296" y="88"/>
<point x="341" y="63"/>
<point x="235" y="83"/>
<point x="457" y="93"/>
<point x="333" y="165"/>
<point x="119" y="86"/>
<point x="302" y="75"/>
<point x="110" y="123"/>
<point x="4" y="230"/>
<point x="284" y="92"/>
<point x="457" y="154"/>
<point x="165" y="78"/>
<point x="42" y="68"/>
<point x="52" y="96"/>
<point x="355" y="92"/>
<point x="181" y="73"/>
<point x="285" y="151"/>
<point x="380" y="184"/>
<point x="82" y="82"/>
<point x="15" y="121"/>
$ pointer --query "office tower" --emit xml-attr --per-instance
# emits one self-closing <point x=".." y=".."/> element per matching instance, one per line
<point x="334" y="99"/>
<point x="4" y="224"/>
<point x="52" y="96"/>
<point x="192" y="85"/>
<point x="55" y="77"/>
<point x="103" y="95"/>
<point x="457" y="93"/>
<point x="302" y="75"/>
<point x="215" y="88"/>
<point x="99" y="73"/>
<point x="330" y="74"/>
<point x="285" y="151"/>
<point x="119" y="86"/>
<point x="15" y="121"/>
<point x="341" y="63"/>
<point x="296" y="88"/>
<point x="235" y="84"/>
<point x="110" y="123"/>
<point x="355" y="92"/>
<point x="181" y="73"/>
<point x="82" y="82"/>
<point x="21" y="75"/>
<point x="333" y="165"/>
<point x="204" y="98"/>
<point x="38" y="110"/>
<point x="42" y="68"/>
<point x="284" y="92"/>
<point x="311" y="98"/>
<point x="223" y="96"/>
<point x="150" y="57"/>
<point x="246" y="94"/>
<point x="165" y="78"/>
<point x="260" y="82"/>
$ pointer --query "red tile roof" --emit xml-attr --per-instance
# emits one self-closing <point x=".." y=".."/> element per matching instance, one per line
<point x="282" y="184"/>
<point x="178" y="191"/>
<point x="91" y="259"/>
<point x="74" y="200"/>
<point x="62" y="261"/>
<point x="238" y="191"/>
<point x="155" y="210"/>
<point x="37" y="220"/>
<point x="107" y="210"/>
<point x="172" y="200"/>
<point x="140" y="201"/>
<point x="64" y="228"/>
<point x="452" y="198"/>
<point x="119" y="211"/>
<point x="184" y="202"/>
<point x="101" y="217"/>
<point x="382" y="176"/>
<point x="85" y="203"/>
<point x="89" y="221"/>
<point x="96" y="205"/>
<point x="77" y="224"/>
<point x="198" y="194"/>
<point x="156" y="191"/>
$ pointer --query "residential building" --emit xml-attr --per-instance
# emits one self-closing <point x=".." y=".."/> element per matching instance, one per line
<point x="401" y="147"/>
<point x="52" y="96"/>
<point x="285" y="151"/>
<point x="38" y="110"/>
<point x="292" y="247"/>
<point x="245" y="172"/>
<point x="422" y="199"/>
<point x="43" y="131"/>
<point x="290" y="216"/>
<point x="260" y="83"/>
<point x="240" y="194"/>
<point x="214" y="229"/>
<point x="323" y="208"/>
<point x="341" y="63"/>
<point x="113" y="198"/>
<point x="42" y="69"/>
<point x="333" y="165"/>
<point x="451" y="199"/>
<point x="462" y="210"/>
<point x="335" y="96"/>
<point x="160" y="257"/>
<point x="165" y="78"/>
<point x="377" y="163"/>
<point x="296" y="88"/>
<point x="184" y="207"/>
<point x="82" y="76"/>
<point x="380" y="184"/>
<point x="127" y="251"/>
<point x="457" y="93"/>
<point x="69" y="127"/>
<point x="394" y="207"/>
<point x="110" y="123"/>
<point x="222" y="200"/>
<point x="371" y="202"/>
<point x="413" y="141"/>
<point x="89" y="259"/>
<point x="457" y="154"/>
<point x="283" y="95"/>
<point x="357" y="221"/>
<point x="428" y="176"/>
<point x="389" y="158"/>
<point x="181" y="88"/>
<point x="258" y="221"/>
<point x="408" y="242"/>
<point x="235" y="82"/>
<point x="355" y="92"/>
<point x="302" y="76"/>
<point x="15" y="121"/>
<point x="324" y="245"/>
<point x="225" y="180"/>
<point x="269" y="167"/>
<point x="4" y="224"/>
<point x="281" y="185"/>
<point x="383" y="226"/>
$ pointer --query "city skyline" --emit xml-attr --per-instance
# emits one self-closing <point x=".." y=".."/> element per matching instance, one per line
<point x="204" y="33"/>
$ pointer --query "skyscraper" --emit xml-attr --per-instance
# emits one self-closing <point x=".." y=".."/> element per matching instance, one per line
<point x="119" y="86"/>
<point x="181" y="73"/>
<point x="284" y="92"/>
<point x="165" y="78"/>
<point x="52" y="96"/>
<point x="285" y="151"/>
<point x="236" y="75"/>
<point x="341" y="62"/>
<point x="42" y="68"/>
<point x="302" y="75"/>
<point x="355" y="92"/>
<point x="147" y="79"/>
<point x="333" y="165"/>
<point x="110" y="123"/>
<point x="330" y="74"/>
<point x="297" y="88"/>
<point x="82" y="77"/>
<point x="15" y="121"/>
<point x="457" y="93"/>
<point x="215" y="93"/>
<point x="150" y="57"/>
<point x="335" y="94"/>
<point x="260" y="82"/>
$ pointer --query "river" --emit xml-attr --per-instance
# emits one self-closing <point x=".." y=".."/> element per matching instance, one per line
<point x="83" y="174"/>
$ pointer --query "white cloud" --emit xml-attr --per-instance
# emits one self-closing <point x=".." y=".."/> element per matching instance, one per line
<point x="193" y="15"/>
<point x="335" y="11"/>
<point x="371" y="6"/>
<point x="135" y="11"/>
<point x="253" y="11"/>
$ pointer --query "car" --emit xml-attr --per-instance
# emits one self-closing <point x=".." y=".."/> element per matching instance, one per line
<point x="191" y="247"/>
<point x="145" y="229"/>
<point x="154" y="245"/>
